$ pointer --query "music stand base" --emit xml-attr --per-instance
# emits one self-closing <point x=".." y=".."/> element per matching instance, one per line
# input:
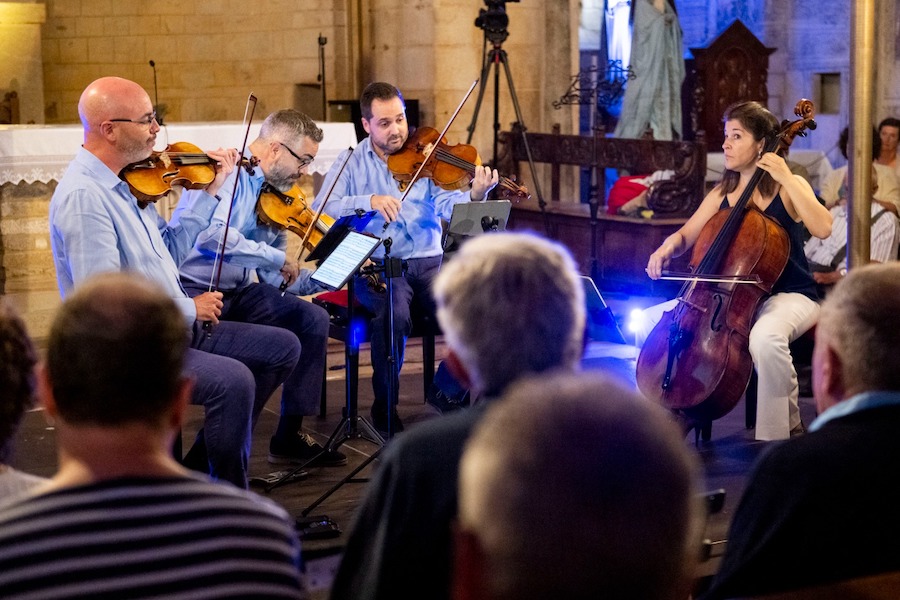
<point x="349" y="478"/>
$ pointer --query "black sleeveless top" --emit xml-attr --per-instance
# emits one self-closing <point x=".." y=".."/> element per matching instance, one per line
<point x="796" y="276"/>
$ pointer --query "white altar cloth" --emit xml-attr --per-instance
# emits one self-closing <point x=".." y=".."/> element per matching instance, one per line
<point x="32" y="153"/>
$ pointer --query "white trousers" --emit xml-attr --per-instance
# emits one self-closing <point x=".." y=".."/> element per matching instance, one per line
<point x="780" y="320"/>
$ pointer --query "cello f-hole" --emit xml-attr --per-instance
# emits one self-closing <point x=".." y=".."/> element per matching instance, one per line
<point x="714" y="323"/>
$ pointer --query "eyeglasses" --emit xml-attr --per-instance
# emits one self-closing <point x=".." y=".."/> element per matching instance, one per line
<point x="146" y="121"/>
<point x="304" y="162"/>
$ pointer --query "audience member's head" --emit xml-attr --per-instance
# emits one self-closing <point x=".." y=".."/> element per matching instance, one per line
<point x="510" y="304"/>
<point x="575" y="487"/>
<point x="17" y="378"/>
<point x="889" y="132"/>
<point x="115" y="353"/>
<point x="856" y="345"/>
<point x="844" y="143"/>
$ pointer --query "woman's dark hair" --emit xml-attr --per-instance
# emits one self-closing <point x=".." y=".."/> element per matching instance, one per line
<point x="844" y="143"/>
<point x="17" y="381"/>
<point x="889" y="122"/>
<point x="762" y="125"/>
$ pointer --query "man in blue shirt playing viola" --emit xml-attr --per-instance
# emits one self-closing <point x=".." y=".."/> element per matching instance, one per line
<point x="414" y="228"/>
<point x="98" y="225"/>
<point x="287" y="144"/>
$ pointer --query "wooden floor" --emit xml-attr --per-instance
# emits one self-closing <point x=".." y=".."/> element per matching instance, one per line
<point x="726" y="458"/>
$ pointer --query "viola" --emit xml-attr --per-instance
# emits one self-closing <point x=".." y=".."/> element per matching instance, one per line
<point x="451" y="167"/>
<point x="181" y="163"/>
<point x="289" y="210"/>
<point x="697" y="358"/>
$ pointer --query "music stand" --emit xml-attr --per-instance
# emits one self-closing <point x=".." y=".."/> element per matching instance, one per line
<point x="472" y="218"/>
<point x="345" y="260"/>
<point x="601" y="323"/>
<point x="337" y="232"/>
<point x="340" y="254"/>
<point x="392" y="267"/>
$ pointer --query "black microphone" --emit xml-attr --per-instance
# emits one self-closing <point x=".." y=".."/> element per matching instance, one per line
<point x="159" y="117"/>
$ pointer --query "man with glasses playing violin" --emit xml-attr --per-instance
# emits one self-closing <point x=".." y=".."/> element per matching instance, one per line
<point x="255" y="264"/>
<point x="98" y="225"/>
<point x="413" y="226"/>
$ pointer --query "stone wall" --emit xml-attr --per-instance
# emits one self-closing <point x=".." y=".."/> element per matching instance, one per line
<point x="209" y="55"/>
<point x="27" y="276"/>
<point x="20" y="57"/>
<point x="810" y="41"/>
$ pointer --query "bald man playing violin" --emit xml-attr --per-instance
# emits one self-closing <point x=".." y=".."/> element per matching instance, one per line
<point x="98" y="225"/>
<point x="414" y="228"/>
<point x="255" y="264"/>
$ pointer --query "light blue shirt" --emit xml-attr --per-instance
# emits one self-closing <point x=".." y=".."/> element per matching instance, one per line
<point x="96" y="226"/>
<point x="855" y="404"/>
<point x="252" y="246"/>
<point x="417" y="231"/>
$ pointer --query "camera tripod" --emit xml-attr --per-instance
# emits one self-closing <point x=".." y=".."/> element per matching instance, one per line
<point x="495" y="57"/>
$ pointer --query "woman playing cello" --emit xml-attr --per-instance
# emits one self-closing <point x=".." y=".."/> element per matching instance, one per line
<point x="792" y="307"/>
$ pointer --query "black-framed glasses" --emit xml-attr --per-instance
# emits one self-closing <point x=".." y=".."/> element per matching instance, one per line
<point x="146" y="121"/>
<point x="304" y="162"/>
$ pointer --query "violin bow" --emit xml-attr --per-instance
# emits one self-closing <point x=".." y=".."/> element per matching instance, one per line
<point x="680" y="276"/>
<point x="418" y="172"/>
<point x="284" y="284"/>
<point x="249" y="109"/>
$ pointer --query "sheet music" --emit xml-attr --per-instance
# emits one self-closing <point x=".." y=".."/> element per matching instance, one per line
<point x="346" y="259"/>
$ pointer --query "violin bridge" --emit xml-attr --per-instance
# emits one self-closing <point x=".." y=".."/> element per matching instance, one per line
<point x="427" y="150"/>
<point x="166" y="161"/>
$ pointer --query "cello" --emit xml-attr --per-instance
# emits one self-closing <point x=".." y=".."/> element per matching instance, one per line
<point x="697" y="361"/>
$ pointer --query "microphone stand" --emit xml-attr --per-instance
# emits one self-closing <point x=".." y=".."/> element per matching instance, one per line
<point x="159" y="116"/>
<point x="322" y="42"/>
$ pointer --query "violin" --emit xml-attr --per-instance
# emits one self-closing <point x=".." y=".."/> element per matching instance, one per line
<point x="697" y="359"/>
<point x="181" y="163"/>
<point x="289" y="210"/>
<point x="450" y="167"/>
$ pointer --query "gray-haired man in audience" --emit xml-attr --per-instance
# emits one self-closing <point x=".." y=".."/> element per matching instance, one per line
<point x="509" y="304"/>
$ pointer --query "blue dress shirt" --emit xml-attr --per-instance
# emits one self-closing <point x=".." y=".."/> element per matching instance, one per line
<point x="417" y="231"/>
<point x="96" y="226"/>
<point x="252" y="246"/>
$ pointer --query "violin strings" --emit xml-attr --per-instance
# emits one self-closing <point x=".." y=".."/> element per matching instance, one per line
<point x="451" y="159"/>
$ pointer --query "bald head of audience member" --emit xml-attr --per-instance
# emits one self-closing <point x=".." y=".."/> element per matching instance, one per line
<point x="510" y="304"/>
<point x="114" y="369"/>
<point x="856" y="346"/>
<point x="120" y="126"/>
<point x="17" y="378"/>
<point x="572" y="486"/>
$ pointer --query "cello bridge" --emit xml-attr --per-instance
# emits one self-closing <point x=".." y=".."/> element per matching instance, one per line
<point x="693" y="305"/>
